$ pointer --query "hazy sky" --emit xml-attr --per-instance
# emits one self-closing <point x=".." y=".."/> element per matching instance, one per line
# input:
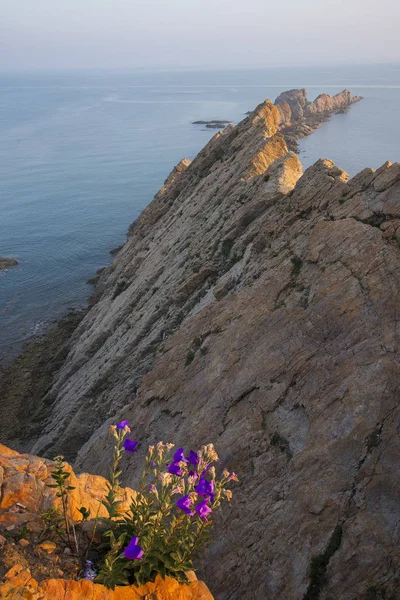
<point x="179" y="33"/>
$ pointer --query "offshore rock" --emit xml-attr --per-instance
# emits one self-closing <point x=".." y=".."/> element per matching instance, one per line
<point x="6" y="263"/>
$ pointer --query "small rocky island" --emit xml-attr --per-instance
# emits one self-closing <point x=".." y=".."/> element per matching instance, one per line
<point x="6" y="263"/>
<point x="216" y="124"/>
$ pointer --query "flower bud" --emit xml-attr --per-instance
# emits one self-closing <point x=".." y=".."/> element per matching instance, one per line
<point x="228" y="495"/>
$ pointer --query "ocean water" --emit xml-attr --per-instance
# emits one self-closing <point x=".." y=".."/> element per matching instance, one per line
<point x="82" y="153"/>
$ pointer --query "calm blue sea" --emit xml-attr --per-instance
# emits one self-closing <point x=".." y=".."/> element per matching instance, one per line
<point x="82" y="153"/>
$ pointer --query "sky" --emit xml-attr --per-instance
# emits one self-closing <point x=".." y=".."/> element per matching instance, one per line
<point x="110" y="34"/>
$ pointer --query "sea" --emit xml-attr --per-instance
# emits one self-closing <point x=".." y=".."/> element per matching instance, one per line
<point x="82" y="153"/>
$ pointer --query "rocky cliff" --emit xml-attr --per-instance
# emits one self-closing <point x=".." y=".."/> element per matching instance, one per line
<point x="255" y="307"/>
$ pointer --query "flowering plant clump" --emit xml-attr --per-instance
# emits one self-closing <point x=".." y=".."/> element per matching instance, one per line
<point x="169" y="519"/>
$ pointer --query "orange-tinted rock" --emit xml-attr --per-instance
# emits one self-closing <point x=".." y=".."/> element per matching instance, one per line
<point x="25" y="495"/>
<point x="19" y="584"/>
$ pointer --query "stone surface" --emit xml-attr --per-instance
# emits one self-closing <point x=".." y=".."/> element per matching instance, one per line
<point x="19" y="584"/>
<point x="48" y="547"/>
<point x="24" y="495"/>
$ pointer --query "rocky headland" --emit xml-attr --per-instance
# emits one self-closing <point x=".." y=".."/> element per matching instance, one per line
<point x="300" y="117"/>
<point x="253" y="306"/>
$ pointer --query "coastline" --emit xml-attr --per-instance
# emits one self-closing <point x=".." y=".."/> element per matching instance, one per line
<point x="42" y="356"/>
<point x="31" y="372"/>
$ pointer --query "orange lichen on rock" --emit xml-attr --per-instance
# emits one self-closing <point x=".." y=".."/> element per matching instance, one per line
<point x="25" y="495"/>
<point x="19" y="584"/>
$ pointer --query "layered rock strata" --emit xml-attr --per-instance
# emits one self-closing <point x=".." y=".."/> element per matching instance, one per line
<point x="257" y="308"/>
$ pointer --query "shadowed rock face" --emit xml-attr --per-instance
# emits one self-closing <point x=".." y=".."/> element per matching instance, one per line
<point x="258" y="309"/>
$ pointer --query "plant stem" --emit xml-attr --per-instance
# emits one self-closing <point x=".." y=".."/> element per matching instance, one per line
<point x="200" y="530"/>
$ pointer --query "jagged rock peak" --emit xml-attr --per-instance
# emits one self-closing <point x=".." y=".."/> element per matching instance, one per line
<point x="295" y="107"/>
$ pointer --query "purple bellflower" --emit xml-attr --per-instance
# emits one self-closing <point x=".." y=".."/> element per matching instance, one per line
<point x="184" y="504"/>
<point x="204" y="487"/>
<point x="130" y="445"/>
<point x="203" y="509"/>
<point x="122" y="424"/>
<point x="179" y="456"/>
<point x="174" y="469"/>
<point x="133" y="551"/>
<point x="193" y="458"/>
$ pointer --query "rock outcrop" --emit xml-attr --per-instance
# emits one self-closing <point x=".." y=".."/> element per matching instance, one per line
<point x="24" y="494"/>
<point x="24" y="497"/>
<point x="6" y="263"/>
<point x="257" y="308"/>
<point x="299" y="117"/>
<point x="295" y="107"/>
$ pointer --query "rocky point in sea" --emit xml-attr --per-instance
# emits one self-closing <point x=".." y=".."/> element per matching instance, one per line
<point x="216" y="124"/>
<point x="254" y="306"/>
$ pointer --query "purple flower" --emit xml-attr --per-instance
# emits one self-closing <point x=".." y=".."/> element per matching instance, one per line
<point x="179" y="456"/>
<point x="153" y="464"/>
<point x="174" y="469"/>
<point x="133" y="551"/>
<point x="122" y="425"/>
<point x="193" y="458"/>
<point x="130" y="445"/>
<point x="184" y="504"/>
<point x="203" y="510"/>
<point x="204" y="487"/>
